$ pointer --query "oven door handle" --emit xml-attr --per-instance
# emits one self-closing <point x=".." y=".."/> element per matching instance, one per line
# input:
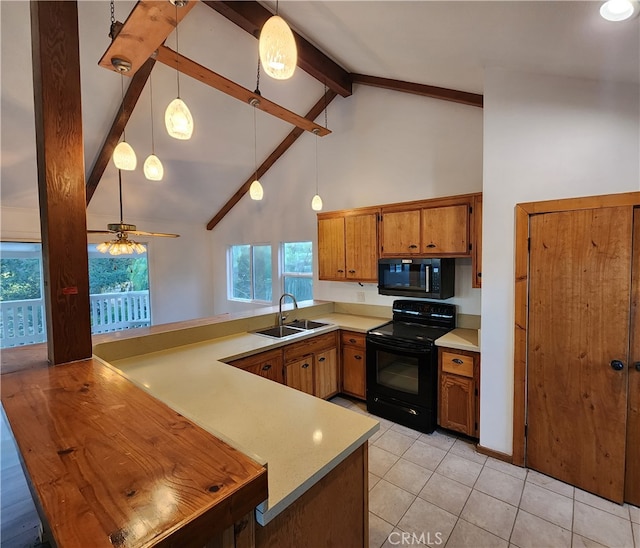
<point x="400" y="348"/>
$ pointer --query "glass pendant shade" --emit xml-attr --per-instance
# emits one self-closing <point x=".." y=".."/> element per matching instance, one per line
<point x="278" y="51"/>
<point x="124" y="156"/>
<point x="617" y="10"/>
<point x="178" y="120"/>
<point x="153" y="169"/>
<point x="316" y="203"/>
<point x="255" y="190"/>
<point x="121" y="246"/>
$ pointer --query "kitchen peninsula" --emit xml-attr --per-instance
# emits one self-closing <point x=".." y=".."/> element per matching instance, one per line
<point x="315" y="452"/>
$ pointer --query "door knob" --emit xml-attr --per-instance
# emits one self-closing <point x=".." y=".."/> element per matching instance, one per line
<point x="617" y="365"/>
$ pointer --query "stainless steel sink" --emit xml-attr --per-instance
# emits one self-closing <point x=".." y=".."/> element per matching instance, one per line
<point x="279" y="331"/>
<point x="306" y="324"/>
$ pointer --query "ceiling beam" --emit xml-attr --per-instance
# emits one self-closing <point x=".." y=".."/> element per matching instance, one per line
<point x="464" y="97"/>
<point x="146" y="28"/>
<point x="186" y="66"/>
<point x="315" y="111"/>
<point x="251" y="16"/>
<point x="129" y="101"/>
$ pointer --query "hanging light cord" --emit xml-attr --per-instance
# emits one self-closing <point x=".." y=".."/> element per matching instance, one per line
<point x="153" y="145"/>
<point x="120" y="192"/>
<point x="316" y="162"/>
<point x="177" y="53"/>
<point x="255" y="142"/>
<point x="124" y="129"/>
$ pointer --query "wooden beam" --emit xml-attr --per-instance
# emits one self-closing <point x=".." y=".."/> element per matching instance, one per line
<point x="206" y="76"/>
<point x="251" y="17"/>
<point x="61" y="189"/>
<point x="464" y="97"/>
<point x="131" y="97"/>
<point x="146" y="28"/>
<point x="315" y="111"/>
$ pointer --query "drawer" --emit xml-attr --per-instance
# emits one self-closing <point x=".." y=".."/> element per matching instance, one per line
<point x="352" y="338"/>
<point x="295" y="351"/>
<point x="459" y="364"/>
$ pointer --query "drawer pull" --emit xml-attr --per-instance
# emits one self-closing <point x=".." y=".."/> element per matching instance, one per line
<point x="352" y="341"/>
<point x="431" y="245"/>
<point x="413" y="246"/>
<point x="305" y="365"/>
<point x="341" y="271"/>
<point x="322" y="359"/>
<point x="458" y="361"/>
<point x="358" y="357"/>
<point x="266" y="367"/>
<point x="352" y="271"/>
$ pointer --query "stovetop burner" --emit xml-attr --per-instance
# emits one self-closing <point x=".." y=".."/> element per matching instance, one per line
<point x="409" y="331"/>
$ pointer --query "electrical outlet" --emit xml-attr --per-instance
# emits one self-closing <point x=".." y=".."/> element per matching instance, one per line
<point x="360" y="296"/>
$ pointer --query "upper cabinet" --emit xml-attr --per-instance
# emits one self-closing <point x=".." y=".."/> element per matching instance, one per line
<point x="347" y="245"/>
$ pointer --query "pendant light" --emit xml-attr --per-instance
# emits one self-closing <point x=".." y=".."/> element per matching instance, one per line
<point x="177" y="117"/>
<point x="316" y="201"/>
<point x="153" y="169"/>
<point x="278" y="51"/>
<point x="124" y="157"/>
<point x="256" y="191"/>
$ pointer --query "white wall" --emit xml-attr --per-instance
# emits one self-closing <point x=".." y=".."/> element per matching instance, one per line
<point x="545" y="137"/>
<point x="386" y="147"/>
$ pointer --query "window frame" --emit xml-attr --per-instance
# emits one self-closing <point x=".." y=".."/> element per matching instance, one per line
<point x="251" y="274"/>
<point x="286" y="274"/>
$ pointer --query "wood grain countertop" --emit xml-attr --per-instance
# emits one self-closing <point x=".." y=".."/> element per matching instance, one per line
<point x="112" y="466"/>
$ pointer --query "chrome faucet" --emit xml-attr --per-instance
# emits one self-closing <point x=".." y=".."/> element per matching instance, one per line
<point x="282" y="317"/>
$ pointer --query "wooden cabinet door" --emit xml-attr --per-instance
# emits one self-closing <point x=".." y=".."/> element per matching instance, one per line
<point x="331" y="246"/>
<point x="270" y="369"/>
<point x="579" y="295"/>
<point x="354" y="372"/>
<point x="476" y="241"/>
<point x="299" y="374"/>
<point x="361" y="247"/>
<point x="401" y="233"/>
<point x="445" y="230"/>
<point x="457" y="403"/>
<point x="326" y="373"/>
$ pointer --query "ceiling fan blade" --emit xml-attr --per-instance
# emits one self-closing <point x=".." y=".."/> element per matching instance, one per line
<point x="100" y="232"/>
<point x="161" y="234"/>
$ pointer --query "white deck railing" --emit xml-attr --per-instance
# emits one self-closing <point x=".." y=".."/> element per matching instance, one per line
<point x="23" y="322"/>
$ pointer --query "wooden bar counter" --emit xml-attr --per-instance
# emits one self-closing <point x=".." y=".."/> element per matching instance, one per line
<point x="109" y="465"/>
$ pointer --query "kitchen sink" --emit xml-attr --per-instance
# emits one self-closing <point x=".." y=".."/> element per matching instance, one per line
<point x="279" y="331"/>
<point x="306" y="324"/>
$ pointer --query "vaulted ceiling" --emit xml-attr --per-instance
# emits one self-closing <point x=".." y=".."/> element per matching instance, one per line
<point x="446" y="44"/>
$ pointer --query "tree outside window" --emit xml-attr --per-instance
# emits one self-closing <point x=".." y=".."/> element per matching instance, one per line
<point x="297" y="269"/>
<point x="250" y="273"/>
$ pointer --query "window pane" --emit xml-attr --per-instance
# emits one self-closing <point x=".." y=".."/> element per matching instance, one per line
<point x="298" y="257"/>
<point x="300" y="288"/>
<point x="241" y="272"/>
<point x="262" y="273"/>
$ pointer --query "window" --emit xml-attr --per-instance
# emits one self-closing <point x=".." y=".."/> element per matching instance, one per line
<point x="118" y="293"/>
<point x="297" y="269"/>
<point x="250" y="272"/>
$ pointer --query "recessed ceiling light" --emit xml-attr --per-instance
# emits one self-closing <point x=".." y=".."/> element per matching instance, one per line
<point x="618" y="10"/>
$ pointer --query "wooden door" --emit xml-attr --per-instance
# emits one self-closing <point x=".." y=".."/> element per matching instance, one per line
<point x="299" y="374"/>
<point x="457" y="403"/>
<point x="401" y="233"/>
<point x="632" y="478"/>
<point x="361" y="247"/>
<point x="445" y="230"/>
<point x="476" y="251"/>
<point x="331" y="259"/>
<point x="326" y="373"/>
<point x="580" y="265"/>
<point x="353" y="371"/>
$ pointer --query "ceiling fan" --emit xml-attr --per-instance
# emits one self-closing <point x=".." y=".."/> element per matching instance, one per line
<point x="122" y="245"/>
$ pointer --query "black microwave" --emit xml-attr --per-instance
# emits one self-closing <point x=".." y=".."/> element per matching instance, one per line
<point x="426" y="278"/>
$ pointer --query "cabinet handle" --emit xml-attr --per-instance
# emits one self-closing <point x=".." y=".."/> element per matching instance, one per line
<point x="322" y="359"/>
<point x="637" y="366"/>
<point x="431" y="245"/>
<point x="352" y="271"/>
<point x="617" y="365"/>
<point x="266" y="367"/>
<point x="457" y="360"/>
<point x="305" y="365"/>
<point x="358" y="357"/>
<point x="413" y="246"/>
<point x="340" y="271"/>
<point x="352" y="341"/>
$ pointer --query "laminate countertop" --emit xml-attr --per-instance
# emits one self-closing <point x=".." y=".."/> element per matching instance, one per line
<point x="461" y="339"/>
<point x="300" y="438"/>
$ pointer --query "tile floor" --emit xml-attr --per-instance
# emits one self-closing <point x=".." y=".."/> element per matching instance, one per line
<point x="438" y="491"/>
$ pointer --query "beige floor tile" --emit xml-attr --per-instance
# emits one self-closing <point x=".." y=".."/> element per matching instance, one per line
<point x="373" y="479"/>
<point x="445" y="493"/>
<point x="467" y="450"/>
<point x="636" y="533"/>
<point x="552" y="484"/>
<point x="377" y="435"/>
<point x="531" y="531"/>
<point x="459" y="469"/>
<point x="547" y="505"/>
<point x="394" y="442"/>
<point x="515" y="471"/>
<point x="438" y="439"/>
<point x="406" y="431"/>
<point x="467" y="535"/>
<point x="490" y="514"/>
<point x="408" y="476"/>
<point x="380" y="461"/>
<point x="598" y="502"/>
<point x="602" y="526"/>
<point x="389" y="502"/>
<point x="500" y="485"/>
<point x="424" y="455"/>
<point x="578" y="541"/>
<point x="378" y="531"/>
<point x="384" y="423"/>
<point x="343" y="402"/>
<point x="425" y="520"/>
<point x="394" y="540"/>
<point x="634" y="512"/>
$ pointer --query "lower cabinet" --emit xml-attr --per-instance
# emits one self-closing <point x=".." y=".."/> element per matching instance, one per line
<point x="353" y="364"/>
<point x="266" y="364"/>
<point x="459" y="385"/>
<point x="312" y="365"/>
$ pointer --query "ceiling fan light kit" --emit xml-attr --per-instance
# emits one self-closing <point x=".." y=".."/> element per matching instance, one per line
<point x="122" y="245"/>
<point x="278" y="51"/>
<point x="619" y="10"/>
